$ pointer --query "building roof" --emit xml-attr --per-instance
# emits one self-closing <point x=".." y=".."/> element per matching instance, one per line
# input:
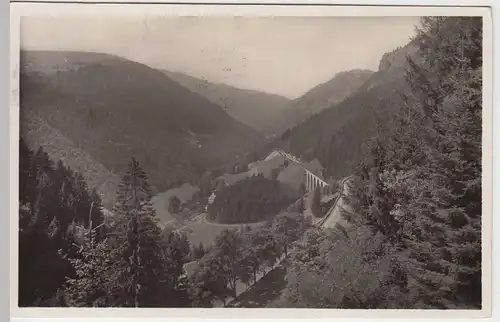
<point x="315" y="168"/>
<point x="267" y="166"/>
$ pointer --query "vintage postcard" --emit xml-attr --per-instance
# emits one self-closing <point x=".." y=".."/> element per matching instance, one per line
<point x="231" y="161"/>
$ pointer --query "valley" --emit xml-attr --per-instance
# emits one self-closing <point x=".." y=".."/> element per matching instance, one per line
<point x="141" y="185"/>
<point x="259" y="110"/>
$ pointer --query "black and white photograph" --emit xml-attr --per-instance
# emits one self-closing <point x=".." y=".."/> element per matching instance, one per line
<point x="318" y="162"/>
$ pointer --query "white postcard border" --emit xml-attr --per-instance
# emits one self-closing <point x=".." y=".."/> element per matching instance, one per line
<point x="121" y="10"/>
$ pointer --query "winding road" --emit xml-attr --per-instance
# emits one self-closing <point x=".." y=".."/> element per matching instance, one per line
<point x="330" y="220"/>
<point x="334" y="215"/>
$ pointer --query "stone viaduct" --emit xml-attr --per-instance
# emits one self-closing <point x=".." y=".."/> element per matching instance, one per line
<point x="313" y="179"/>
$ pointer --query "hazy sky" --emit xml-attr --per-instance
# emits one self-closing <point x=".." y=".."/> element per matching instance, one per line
<point x="284" y="55"/>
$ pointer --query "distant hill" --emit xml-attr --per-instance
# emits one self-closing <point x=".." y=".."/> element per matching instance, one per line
<point x="256" y="109"/>
<point x="112" y="109"/>
<point x="336" y="135"/>
<point x="323" y="96"/>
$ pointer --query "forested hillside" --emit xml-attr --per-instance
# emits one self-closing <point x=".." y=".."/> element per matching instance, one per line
<point x="335" y="135"/>
<point x="55" y="204"/>
<point x="415" y="234"/>
<point x="322" y="97"/>
<point x="401" y="230"/>
<point x="113" y="108"/>
<point x="259" y="110"/>
<point x="250" y="200"/>
<point x="126" y="261"/>
<point x="37" y="133"/>
<point x="63" y="263"/>
<point x="239" y="255"/>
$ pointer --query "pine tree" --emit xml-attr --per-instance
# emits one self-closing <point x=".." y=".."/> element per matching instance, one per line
<point x="176" y="255"/>
<point x="133" y="196"/>
<point x="447" y="89"/>
<point x="96" y="279"/>
<point x="50" y="210"/>
<point x="422" y="182"/>
<point x="152" y="271"/>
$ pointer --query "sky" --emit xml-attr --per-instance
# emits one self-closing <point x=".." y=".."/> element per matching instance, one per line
<point x="281" y="55"/>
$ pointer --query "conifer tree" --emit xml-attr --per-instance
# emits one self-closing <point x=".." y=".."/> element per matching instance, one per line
<point x="176" y="254"/>
<point x="422" y="183"/>
<point x="96" y="280"/>
<point x="151" y="273"/>
<point x="447" y="89"/>
<point x="139" y="236"/>
<point x="51" y="208"/>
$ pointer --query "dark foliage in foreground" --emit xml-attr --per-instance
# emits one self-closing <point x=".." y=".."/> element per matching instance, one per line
<point x="411" y="236"/>
<point x="54" y="205"/>
<point x="128" y="262"/>
<point x="239" y="255"/>
<point x="414" y="233"/>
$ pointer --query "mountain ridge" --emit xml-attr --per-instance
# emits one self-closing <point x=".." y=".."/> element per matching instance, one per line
<point x="323" y="96"/>
<point x="346" y="126"/>
<point x="252" y="107"/>
<point x="114" y="109"/>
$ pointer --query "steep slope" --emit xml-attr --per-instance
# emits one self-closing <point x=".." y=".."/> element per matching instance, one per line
<point x="256" y="109"/>
<point x="391" y="68"/>
<point x="323" y="96"/>
<point x="114" y="109"/>
<point x="38" y="133"/>
<point x="336" y="135"/>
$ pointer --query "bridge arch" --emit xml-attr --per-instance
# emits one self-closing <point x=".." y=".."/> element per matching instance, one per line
<point x="311" y="180"/>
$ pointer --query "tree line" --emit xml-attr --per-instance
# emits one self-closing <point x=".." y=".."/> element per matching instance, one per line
<point x="66" y="261"/>
<point x="249" y="200"/>
<point x="55" y="204"/>
<point x="414" y="235"/>
<point x="72" y="255"/>
<point x="413" y="238"/>
<point x="239" y="255"/>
